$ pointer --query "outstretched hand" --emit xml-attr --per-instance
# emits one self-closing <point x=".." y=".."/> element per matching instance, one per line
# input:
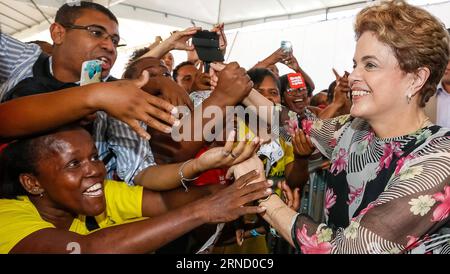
<point x="289" y="197"/>
<point x="231" y="202"/>
<point x="228" y="156"/>
<point x="303" y="147"/>
<point x="170" y="91"/>
<point x="342" y="89"/>
<point x="276" y="57"/>
<point x="178" y="39"/>
<point x="127" y="102"/>
<point x="219" y="29"/>
<point x="291" y="62"/>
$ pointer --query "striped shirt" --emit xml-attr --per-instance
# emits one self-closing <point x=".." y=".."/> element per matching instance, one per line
<point x="132" y="153"/>
<point x="16" y="58"/>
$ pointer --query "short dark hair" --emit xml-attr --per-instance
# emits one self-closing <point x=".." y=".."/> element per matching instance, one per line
<point x="180" y="65"/>
<point x="17" y="158"/>
<point x="69" y="12"/>
<point x="22" y="156"/>
<point x="257" y="75"/>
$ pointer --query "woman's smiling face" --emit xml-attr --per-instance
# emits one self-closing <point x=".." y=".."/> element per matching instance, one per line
<point x="71" y="174"/>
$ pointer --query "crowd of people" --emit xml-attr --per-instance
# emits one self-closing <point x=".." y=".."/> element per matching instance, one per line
<point x="360" y="167"/>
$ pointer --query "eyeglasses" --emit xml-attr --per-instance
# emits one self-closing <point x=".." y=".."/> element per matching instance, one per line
<point x="295" y="91"/>
<point x="99" y="32"/>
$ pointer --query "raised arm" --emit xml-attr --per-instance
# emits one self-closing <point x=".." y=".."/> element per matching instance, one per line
<point x="277" y="56"/>
<point x="341" y="103"/>
<point x="164" y="177"/>
<point x="123" y="100"/>
<point x="292" y="63"/>
<point x="178" y="40"/>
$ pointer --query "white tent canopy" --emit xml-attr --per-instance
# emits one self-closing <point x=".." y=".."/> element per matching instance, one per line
<point x="321" y="31"/>
<point x="20" y="15"/>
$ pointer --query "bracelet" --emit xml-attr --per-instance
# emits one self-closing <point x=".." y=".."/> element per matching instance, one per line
<point x="182" y="178"/>
<point x="255" y="233"/>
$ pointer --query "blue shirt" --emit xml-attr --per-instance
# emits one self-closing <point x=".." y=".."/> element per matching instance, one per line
<point x="443" y="107"/>
<point x="132" y="153"/>
<point x="16" y="58"/>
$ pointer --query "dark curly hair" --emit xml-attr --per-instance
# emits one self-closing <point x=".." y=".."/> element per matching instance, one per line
<point x="257" y="75"/>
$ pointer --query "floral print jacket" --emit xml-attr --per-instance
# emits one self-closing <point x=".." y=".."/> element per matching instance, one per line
<point x="386" y="195"/>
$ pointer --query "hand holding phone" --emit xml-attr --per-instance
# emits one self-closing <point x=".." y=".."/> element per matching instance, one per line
<point x="206" y="45"/>
<point x="286" y="46"/>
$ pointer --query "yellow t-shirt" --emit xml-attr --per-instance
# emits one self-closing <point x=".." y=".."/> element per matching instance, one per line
<point x="19" y="218"/>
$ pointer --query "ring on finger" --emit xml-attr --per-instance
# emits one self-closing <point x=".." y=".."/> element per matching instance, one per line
<point x="233" y="155"/>
<point x="226" y="153"/>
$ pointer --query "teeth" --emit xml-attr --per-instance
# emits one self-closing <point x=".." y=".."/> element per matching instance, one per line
<point x="93" y="188"/>
<point x="94" y="194"/>
<point x="360" y="93"/>
<point x="103" y="59"/>
<point x="298" y="100"/>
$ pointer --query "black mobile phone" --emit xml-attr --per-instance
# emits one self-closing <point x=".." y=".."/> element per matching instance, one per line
<point x="206" y="44"/>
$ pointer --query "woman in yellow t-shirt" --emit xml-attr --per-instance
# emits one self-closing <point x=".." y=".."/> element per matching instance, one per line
<point x="51" y="184"/>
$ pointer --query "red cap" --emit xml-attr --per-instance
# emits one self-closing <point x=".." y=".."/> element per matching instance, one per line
<point x="296" y="81"/>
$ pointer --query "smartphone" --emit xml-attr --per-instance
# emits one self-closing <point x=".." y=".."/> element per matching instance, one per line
<point x="286" y="46"/>
<point x="91" y="72"/>
<point x="206" y="44"/>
